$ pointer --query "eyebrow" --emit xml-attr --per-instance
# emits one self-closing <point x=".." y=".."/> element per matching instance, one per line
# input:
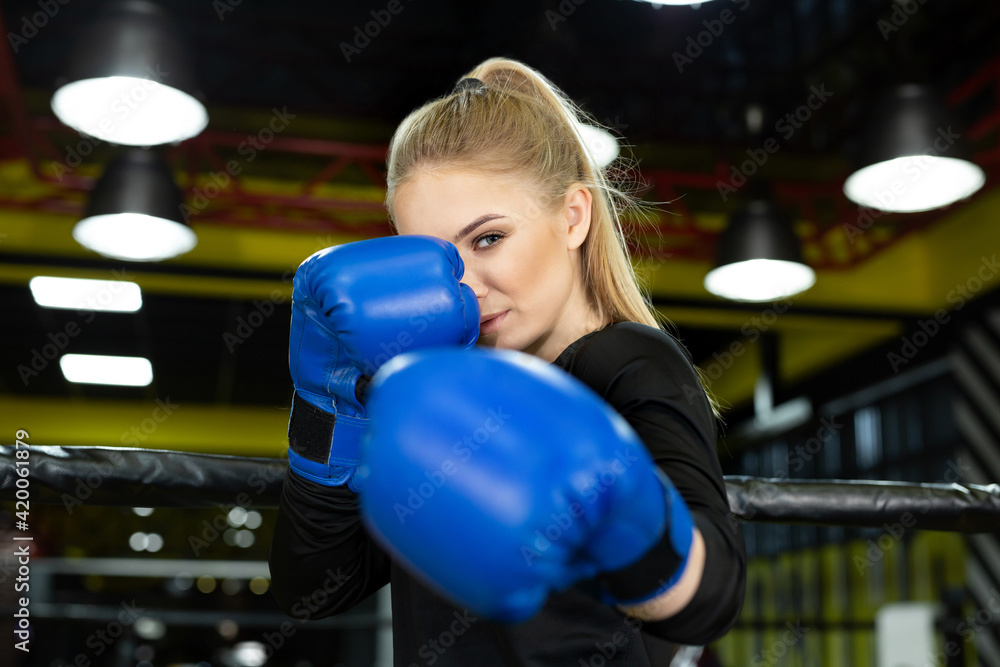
<point x="468" y="229"/>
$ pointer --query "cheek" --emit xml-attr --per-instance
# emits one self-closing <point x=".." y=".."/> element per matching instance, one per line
<point x="532" y="272"/>
<point x="501" y="275"/>
<point x="547" y="254"/>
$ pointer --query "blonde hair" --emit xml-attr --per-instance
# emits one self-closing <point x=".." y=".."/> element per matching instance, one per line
<point x="521" y="123"/>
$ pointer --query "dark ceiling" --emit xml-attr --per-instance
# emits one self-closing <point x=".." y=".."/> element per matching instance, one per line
<point x="618" y="58"/>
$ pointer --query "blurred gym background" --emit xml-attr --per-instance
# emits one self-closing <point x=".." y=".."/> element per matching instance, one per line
<point x="849" y="326"/>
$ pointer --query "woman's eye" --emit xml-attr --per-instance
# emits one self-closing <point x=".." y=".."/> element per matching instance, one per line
<point x="495" y="236"/>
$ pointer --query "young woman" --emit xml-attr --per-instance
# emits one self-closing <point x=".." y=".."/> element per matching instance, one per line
<point x="509" y="237"/>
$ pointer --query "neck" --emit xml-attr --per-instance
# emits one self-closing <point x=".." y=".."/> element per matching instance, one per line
<point x="578" y="319"/>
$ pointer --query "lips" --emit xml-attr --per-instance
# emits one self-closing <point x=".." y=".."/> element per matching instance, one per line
<point x="491" y="323"/>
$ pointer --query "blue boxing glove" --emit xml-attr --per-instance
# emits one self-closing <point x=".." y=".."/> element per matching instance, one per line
<point x="498" y="479"/>
<point x="354" y="307"/>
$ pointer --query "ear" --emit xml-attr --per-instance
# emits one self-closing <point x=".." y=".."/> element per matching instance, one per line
<point x="577" y="208"/>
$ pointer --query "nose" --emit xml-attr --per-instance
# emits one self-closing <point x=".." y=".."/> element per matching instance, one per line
<point x="477" y="287"/>
<point x="472" y="279"/>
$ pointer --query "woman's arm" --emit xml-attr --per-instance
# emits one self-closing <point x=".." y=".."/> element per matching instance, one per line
<point x="705" y="602"/>
<point x="679" y="595"/>
<point x="649" y="380"/>
<point x="718" y="599"/>
<point x="322" y="560"/>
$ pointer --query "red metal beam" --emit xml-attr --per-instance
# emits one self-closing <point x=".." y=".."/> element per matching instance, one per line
<point x="226" y="201"/>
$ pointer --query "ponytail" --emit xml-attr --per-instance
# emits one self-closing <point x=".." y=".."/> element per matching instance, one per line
<point x="521" y="123"/>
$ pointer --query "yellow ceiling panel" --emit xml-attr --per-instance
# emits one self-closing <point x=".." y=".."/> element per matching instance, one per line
<point x="802" y="353"/>
<point x="236" y="248"/>
<point x="939" y="267"/>
<point x="214" y="429"/>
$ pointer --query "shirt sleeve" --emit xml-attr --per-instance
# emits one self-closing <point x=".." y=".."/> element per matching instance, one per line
<point x="649" y="379"/>
<point x="322" y="560"/>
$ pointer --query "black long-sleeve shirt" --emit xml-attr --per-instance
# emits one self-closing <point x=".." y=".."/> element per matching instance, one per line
<point x="323" y="561"/>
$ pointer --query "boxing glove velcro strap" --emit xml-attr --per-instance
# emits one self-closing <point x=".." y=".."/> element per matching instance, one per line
<point x="660" y="567"/>
<point x="322" y="446"/>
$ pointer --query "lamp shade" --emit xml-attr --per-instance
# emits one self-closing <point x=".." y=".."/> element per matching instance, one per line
<point x="758" y="257"/>
<point x="911" y="156"/>
<point x="134" y="211"/>
<point x="130" y="80"/>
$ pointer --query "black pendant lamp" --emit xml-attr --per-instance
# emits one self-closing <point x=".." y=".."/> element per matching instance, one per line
<point x="912" y="156"/>
<point x="130" y="80"/>
<point x="134" y="211"/>
<point x="758" y="257"/>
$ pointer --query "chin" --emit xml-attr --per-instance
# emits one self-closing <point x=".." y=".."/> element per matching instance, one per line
<point x="494" y="341"/>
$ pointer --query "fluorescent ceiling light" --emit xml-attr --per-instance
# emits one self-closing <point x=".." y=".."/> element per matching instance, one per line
<point x="81" y="294"/>
<point x="105" y="369"/>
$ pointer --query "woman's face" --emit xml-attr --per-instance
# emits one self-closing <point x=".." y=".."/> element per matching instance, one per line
<point x="522" y="262"/>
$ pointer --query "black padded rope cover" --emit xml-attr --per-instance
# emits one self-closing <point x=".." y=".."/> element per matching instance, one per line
<point x="962" y="508"/>
<point x="137" y="477"/>
<point x="165" y="478"/>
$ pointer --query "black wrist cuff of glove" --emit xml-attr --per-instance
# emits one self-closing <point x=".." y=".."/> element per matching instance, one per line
<point x="647" y="576"/>
<point x="361" y="388"/>
<point x="310" y="430"/>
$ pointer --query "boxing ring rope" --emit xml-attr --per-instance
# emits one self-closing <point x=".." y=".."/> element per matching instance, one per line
<point x="118" y="476"/>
